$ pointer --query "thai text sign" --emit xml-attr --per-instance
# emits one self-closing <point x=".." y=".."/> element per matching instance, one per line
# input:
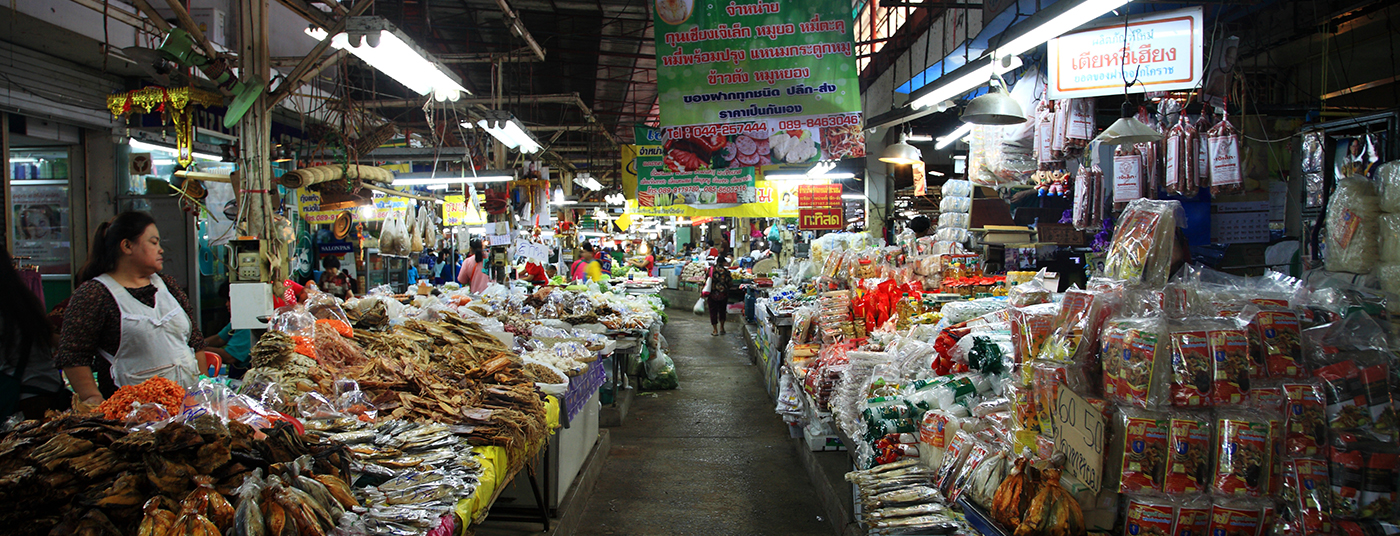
<point x="724" y="62"/>
<point x="1161" y="51"/>
<point x="819" y="195"/>
<point x="820" y="219"/>
<point x="1079" y="435"/>
<point x="309" y="205"/>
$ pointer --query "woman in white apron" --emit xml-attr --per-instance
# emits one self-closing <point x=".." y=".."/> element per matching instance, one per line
<point x="136" y="320"/>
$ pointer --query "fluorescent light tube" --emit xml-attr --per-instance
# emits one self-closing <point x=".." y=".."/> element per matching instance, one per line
<point x="853" y="196"/>
<point x="394" y="55"/>
<point x="1072" y="18"/>
<point x="918" y="137"/>
<point x="957" y="134"/>
<point x="966" y="82"/>
<point x="450" y="180"/>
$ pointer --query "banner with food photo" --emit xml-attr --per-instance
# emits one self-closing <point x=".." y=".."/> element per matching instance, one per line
<point x="726" y="62"/>
<point x="766" y="205"/>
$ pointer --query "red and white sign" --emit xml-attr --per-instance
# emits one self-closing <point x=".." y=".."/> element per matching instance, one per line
<point x="820" y="219"/>
<point x="1161" y="51"/>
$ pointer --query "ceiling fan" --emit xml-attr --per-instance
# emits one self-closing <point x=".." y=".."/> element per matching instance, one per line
<point x="177" y="51"/>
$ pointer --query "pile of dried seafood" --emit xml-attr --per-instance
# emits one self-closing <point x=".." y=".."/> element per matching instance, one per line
<point x="81" y="474"/>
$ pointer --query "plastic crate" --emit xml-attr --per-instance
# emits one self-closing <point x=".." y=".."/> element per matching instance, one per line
<point x="1062" y="234"/>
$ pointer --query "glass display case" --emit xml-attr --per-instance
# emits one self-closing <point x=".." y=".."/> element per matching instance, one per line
<point x="42" y="227"/>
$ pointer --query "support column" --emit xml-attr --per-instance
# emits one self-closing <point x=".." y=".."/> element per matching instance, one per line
<point x="254" y="137"/>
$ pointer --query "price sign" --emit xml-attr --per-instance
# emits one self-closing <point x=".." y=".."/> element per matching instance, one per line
<point x="1079" y="435"/>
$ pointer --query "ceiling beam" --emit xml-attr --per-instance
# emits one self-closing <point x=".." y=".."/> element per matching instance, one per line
<point x="518" y="28"/>
<point x="303" y="9"/>
<point x="518" y="55"/>
<point x="313" y="63"/>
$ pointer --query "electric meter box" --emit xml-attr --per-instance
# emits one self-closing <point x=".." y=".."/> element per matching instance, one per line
<point x="248" y="302"/>
<point x="247" y="262"/>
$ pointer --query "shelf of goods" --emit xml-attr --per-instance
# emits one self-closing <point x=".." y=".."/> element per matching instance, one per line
<point x="1155" y="401"/>
<point x="380" y="415"/>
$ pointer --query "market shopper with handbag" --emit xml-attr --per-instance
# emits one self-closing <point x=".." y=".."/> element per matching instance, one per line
<point x="717" y="295"/>
<point x="136" y="319"/>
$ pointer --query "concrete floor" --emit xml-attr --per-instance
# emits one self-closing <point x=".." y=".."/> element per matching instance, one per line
<point x="709" y="458"/>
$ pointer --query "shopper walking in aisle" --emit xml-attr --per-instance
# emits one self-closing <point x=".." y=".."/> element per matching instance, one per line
<point x="587" y="266"/>
<point x="473" y="273"/>
<point x="717" y="298"/>
<point x="29" y="382"/>
<point x="136" y="319"/>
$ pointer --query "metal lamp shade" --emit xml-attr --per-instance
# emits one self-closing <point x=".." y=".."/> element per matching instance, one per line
<point x="994" y="108"/>
<point x="902" y="154"/>
<point x="1128" y="131"/>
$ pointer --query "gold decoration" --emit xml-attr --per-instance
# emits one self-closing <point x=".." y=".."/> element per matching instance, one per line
<point x="175" y="103"/>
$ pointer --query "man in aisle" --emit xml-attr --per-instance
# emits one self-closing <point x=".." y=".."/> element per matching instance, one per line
<point x="920" y="225"/>
<point x="232" y="345"/>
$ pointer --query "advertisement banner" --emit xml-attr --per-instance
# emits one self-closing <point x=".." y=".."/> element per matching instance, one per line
<point x="309" y="205"/>
<point x="773" y="199"/>
<point x="41" y="225"/>
<point x="455" y="211"/>
<point x="819" y="195"/>
<point x="1161" y="51"/>
<point x="724" y="62"/>
<point x="820" y="219"/>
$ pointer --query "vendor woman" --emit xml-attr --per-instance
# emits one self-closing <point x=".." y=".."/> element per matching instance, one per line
<point x="136" y="319"/>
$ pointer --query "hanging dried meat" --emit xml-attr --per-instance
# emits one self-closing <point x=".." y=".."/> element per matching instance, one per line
<point x="1226" y="169"/>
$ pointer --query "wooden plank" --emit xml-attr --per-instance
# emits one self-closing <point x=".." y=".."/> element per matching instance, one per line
<point x="388" y="191"/>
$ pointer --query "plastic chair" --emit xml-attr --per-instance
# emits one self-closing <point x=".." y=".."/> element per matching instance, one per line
<point x="211" y="358"/>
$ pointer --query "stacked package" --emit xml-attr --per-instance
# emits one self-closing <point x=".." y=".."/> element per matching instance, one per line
<point x="955" y="210"/>
<point x="1388" y="184"/>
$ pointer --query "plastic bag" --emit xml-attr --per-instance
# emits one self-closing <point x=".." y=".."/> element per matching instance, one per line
<point x="1188" y="442"/>
<point x="1307" y="493"/>
<point x="148" y="416"/>
<point x="1192" y="366"/>
<point x="1227" y="166"/>
<point x="1235" y="517"/>
<point x="1305" y="424"/>
<point x="1149" y="514"/>
<point x="1353" y="227"/>
<point x="1141" y="251"/>
<point x="699" y="307"/>
<point x="1242" y="453"/>
<point x="1140" y="450"/>
<point x="1135" y="367"/>
<point x="661" y="374"/>
<point x="1030" y="327"/>
<point x="1387" y="179"/>
<point x="1279" y="352"/>
<point x="955" y="204"/>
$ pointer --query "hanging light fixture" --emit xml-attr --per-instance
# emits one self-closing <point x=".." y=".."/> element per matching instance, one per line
<point x="995" y="107"/>
<point x="902" y="154"/>
<point x="1127" y="130"/>
<point x="379" y="43"/>
<point x="507" y="129"/>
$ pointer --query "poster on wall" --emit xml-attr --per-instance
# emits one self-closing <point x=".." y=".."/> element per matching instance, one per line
<point x="309" y="205"/>
<point x="1160" y="51"/>
<point x="42" y="226"/>
<point x="727" y="62"/>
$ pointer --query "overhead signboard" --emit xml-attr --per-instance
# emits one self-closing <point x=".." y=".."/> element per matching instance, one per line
<point x="820" y="219"/>
<point x="819" y="195"/>
<point x="309" y="206"/>
<point x="1157" y="52"/>
<point x="746" y="60"/>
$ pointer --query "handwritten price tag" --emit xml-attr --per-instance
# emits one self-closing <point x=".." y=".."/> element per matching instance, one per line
<point x="1079" y="430"/>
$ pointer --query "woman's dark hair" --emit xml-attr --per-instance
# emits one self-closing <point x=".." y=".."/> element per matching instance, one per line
<point x="106" y="245"/>
<point x="588" y="246"/>
<point x="920" y="224"/>
<point x="330" y="262"/>
<point x="23" y="322"/>
<point x="721" y="261"/>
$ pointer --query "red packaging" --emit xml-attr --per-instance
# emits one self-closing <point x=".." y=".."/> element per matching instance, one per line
<point x="1234" y="520"/>
<point x="1191" y="368"/>
<point x="1281" y="343"/>
<point x="1348" y="472"/>
<point x="1309" y="494"/>
<point x="1305" y="428"/>
<point x="1346" y="396"/>
<point x="1188" y="467"/>
<point x="1242" y="455"/>
<point x="1230" y="350"/>
<point x="1376" y="382"/>
<point x="1130" y="360"/>
<point x="1148" y="516"/>
<point x="1144" y="444"/>
<point x="1378" y="493"/>
<point x="1192" y="519"/>
<point x="1274" y="475"/>
<point x="1266" y="396"/>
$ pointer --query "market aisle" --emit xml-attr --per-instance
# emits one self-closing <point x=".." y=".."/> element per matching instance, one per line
<point x="709" y="458"/>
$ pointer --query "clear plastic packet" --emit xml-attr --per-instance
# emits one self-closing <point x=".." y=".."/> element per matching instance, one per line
<point x="313" y="405"/>
<point x="1077" y="325"/>
<point x="1279" y="353"/>
<point x="1141" y="250"/>
<point x="1242" y="453"/>
<point x="1307" y="493"/>
<point x="356" y="402"/>
<point x="1149" y="513"/>
<point x="970" y="454"/>
<point x="1139" y="454"/>
<point x="1235" y="516"/>
<point x="148" y="416"/>
<point x="954" y="220"/>
<point x="1227" y="166"/>
<point x="1230" y="350"/>
<point x="293" y="321"/>
<point x="245" y="410"/>
<point x="1192" y="516"/>
<point x="1353" y="227"/>
<point x="206" y="398"/>
<point x="1189" y="444"/>
<point x="955" y="204"/>
<point x="1191" y="362"/>
<point x="1030" y="327"/>
<point x="1135" y="361"/>
<point x="936" y="429"/>
<point x="1387" y="178"/>
<point x="983" y="453"/>
<point x="1305" y="424"/>
<point x="1031" y="292"/>
<point x="958" y="449"/>
<point x="262" y="386"/>
<point x="984" y="480"/>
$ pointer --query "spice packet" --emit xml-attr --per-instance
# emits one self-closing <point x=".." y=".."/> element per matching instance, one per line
<point x="1305" y="428"/>
<point x="1132" y="357"/>
<point x="1229" y="348"/>
<point x="1242" y="454"/>
<point x="1192" y="367"/>
<point x="1149" y="514"/>
<point x="1308" y="493"/>
<point x="1189" y="447"/>
<point x="1143" y="447"/>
